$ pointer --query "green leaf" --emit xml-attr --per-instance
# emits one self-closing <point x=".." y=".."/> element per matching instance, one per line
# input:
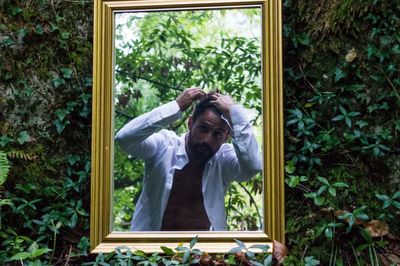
<point x="290" y="167"/>
<point x="4" y="140"/>
<point x="186" y="256"/>
<point x="21" y="256"/>
<point x="342" y="110"/>
<point x="338" y="118"/>
<point x="396" y="204"/>
<point x="329" y="233"/>
<point x="167" y="251"/>
<point x="319" y="201"/>
<point x="57" y="81"/>
<point x="39" y="29"/>
<point x="322" y="189"/>
<point x="339" y="74"/>
<point x="39" y="252"/>
<point x="362" y="247"/>
<point x="332" y="191"/>
<point x="264" y="248"/>
<point x="348" y="121"/>
<point x="382" y="197"/>
<point x="268" y="260"/>
<point x="366" y="235"/>
<point x="61" y="113"/>
<point x="67" y="72"/>
<point x="323" y="180"/>
<point x="396" y="195"/>
<point x="240" y="243"/>
<point x="193" y="242"/>
<point x="340" y="184"/>
<point x="256" y="263"/>
<point x="23" y="137"/>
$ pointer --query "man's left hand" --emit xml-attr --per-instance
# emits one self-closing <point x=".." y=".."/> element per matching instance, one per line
<point x="222" y="102"/>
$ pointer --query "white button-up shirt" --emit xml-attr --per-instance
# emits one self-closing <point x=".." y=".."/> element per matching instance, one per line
<point x="163" y="151"/>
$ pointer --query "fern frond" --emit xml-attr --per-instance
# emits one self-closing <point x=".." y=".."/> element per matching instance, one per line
<point x="4" y="167"/>
<point x="21" y="155"/>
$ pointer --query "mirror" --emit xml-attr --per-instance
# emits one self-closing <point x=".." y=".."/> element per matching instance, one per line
<point x="146" y="53"/>
<point x="158" y="55"/>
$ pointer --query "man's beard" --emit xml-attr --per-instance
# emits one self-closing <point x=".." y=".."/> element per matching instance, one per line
<point x="200" y="151"/>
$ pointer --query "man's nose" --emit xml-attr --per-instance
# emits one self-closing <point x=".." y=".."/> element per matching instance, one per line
<point x="208" y="138"/>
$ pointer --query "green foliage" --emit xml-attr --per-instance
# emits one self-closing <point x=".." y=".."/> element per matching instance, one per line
<point x="341" y="129"/>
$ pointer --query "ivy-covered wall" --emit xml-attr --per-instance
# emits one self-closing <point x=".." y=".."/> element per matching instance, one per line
<point x="342" y="103"/>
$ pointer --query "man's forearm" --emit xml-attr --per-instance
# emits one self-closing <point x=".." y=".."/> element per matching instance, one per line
<point x="143" y="126"/>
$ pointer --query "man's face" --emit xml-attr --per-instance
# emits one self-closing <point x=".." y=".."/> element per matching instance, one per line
<point x="206" y="135"/>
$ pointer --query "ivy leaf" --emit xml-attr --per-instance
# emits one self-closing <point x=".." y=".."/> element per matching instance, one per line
<point x="57" y="81"/>
<point x="339" y="74"/>
<point x="67" y="72"/>
<point x="4" y="140"/>
<point x="23" y="137"/>
<point x="61" y="113"/>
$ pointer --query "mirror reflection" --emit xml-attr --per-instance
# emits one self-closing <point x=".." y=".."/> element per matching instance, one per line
<point x="188" y="120"/>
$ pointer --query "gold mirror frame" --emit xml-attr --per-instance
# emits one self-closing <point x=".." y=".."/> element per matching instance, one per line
<point x="102" y="238"/>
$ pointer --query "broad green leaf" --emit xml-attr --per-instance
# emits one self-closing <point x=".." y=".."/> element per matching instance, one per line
<point x="382" y="197"/>
<point x="20" y="256"/>
<point x="322" y="189"/>
<point x="323" y="180"/>
<point x="167" y="251"/>
<point x="332" y="191"/>
<point x="268" y="260"/>
<point x="396" y="204"/>
<point x="396" y="195"/>
<point x="23" y="137"/>
<point x="39" y="252"/>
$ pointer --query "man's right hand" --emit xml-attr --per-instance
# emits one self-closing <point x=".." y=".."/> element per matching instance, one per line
<point x="188" y="96"/>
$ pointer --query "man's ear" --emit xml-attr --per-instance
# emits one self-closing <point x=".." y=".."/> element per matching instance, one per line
<point x="190" y="122"/>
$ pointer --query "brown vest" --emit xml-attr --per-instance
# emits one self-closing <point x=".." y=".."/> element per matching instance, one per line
<point x="185" y="208"/>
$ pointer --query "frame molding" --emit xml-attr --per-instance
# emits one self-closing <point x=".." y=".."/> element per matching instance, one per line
<point x="102" y="238"/>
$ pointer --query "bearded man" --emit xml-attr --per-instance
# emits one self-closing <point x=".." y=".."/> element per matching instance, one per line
<point x="186" y="177"/>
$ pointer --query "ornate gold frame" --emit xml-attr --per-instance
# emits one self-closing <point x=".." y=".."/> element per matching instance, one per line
<point x="102" y="238"/>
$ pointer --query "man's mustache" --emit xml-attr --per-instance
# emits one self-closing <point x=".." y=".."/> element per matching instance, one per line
<point x="203" y="146"/>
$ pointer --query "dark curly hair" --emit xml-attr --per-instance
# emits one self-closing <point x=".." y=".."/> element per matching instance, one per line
<point x="203" y="105"/>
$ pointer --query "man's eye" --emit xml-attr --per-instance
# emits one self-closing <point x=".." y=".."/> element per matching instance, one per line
<point x="204" y="129"/>
<point x="218" y="135"/>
